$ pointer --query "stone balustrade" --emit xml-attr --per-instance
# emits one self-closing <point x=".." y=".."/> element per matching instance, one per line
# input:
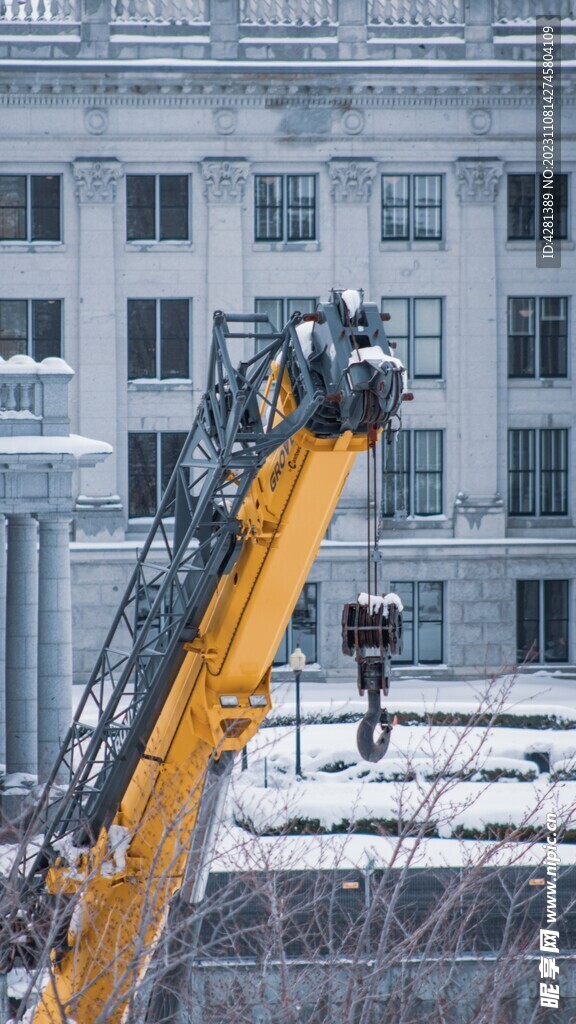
<point x="272" y="30"/>
<point x="33" y="397"/>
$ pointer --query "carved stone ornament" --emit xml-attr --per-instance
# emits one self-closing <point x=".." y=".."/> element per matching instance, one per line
<point x="95" y="180"/>
<point x="351" y="180"/>
<point x="477" y="180"/>
<point x="224" y="180"/>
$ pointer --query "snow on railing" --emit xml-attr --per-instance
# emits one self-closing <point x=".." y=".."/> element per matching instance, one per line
<point x="506" y="11"/>
<point x="174" y="11"/>
<point x="288" y="12"/>
<point x="40" y="10"/>
<point x="416" y="12"/>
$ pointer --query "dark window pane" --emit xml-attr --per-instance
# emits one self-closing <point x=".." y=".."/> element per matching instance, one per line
<point x="428" y="472"/>
<point x="174" y="215"/>
<point x="405" y="592"/>
<point x="521" y="332"/>
<point x="142" y="473"/>
<point x="301" y="207"/>
<point x="430" y="618"/>
<point x="553" y="472"/>
<point x="171" y="444"/>
<point x="46" y="328"/>
<point x="556" y="620"/>
<point x="268" y="208"/>
<point x="527" y="620"/>
<point x="12" y="207"/>
<point x="141" y="338"/>
<point x="45" y="191"/>
<point x="140" y="207"/>
<point x="553" y="337"/>
<point x="398" y="328"/>
<point x="428" y="206"/>
<point x="299" y="306"/>
<point x="521" y="205"/>
<point x="559" y="210"/>
<point x="13" y="327"/>
<point x="175" y="337"/>
<point x="396" y="479"/>
<point x="395" y="206"/>
<point x="304" y="620"/>
<point x="521" y="473"/>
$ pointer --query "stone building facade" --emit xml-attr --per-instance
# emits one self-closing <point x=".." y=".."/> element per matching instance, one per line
<point x="161" y="160"/>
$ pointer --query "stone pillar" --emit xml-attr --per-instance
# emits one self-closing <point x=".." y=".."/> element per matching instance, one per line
<point x="479" y="508"/>
<point x="352" y="30"/>
<point x="351" y="184"/>
<point x="95" y="28"/>
<point x="96" y="182"/>
<point x="2" y="640"/>
<point x="224" y="185"/>
<point x="54" y="640"/>
<point x="21" y="644"/>
<point x="224" y="30"/>
<point x="478" y="29"/>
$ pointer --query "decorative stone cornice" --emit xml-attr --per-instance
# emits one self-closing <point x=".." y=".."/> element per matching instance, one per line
<point x="224" y="180"/>
<point x="351" y="180"/>
<point x="477" y="179"/>
<point x="95" y="180"/>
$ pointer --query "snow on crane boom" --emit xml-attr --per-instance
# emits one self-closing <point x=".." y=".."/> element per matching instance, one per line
<point x="183" y="679"/>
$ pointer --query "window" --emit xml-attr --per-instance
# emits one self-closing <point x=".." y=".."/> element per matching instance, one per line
<point x="279" y="311"/>
<point x="411" y="207"/>
<point x="30" y="207"/>
<point x="158" y="338"/>
<point x="285" y="207"/>
<point x="412" y="483"/>
<point x="524" y="208"/>
<point x="157" y="207"/>
<point x="151" y="460"/>
<point x="542" y="620"/>
<point x="302" y="628"/>
<point x="30" y="327"/>
<point x="538" y="337"/>
<point x="416" y="328"/>
<point x="537" y="472"/>
<point x="422" y="622"/>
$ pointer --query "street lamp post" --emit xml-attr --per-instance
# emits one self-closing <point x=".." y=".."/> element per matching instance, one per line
<point x="297" y="662"/>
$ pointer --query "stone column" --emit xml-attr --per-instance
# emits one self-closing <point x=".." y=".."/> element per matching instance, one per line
<point x="224" y="186"/>
<point x="478" y="29"/>
<point x="2" y="640"/>
<point x="351" y="184"/>
<point x="479" y="508"/>
<point x="21" y="644"/>
<point x="96" y="183"/>
<point x="352" y="30"/>
<point x="224" y="30"/>
<point x="54" y="640"/>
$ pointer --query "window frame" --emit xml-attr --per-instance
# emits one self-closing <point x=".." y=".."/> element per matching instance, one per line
<point x="28" y="238"/>
<point x="544" y="622"/>
<point x="412" y="338"/>
<point x="535" y="472"/>
<point x="410" y="474"/>
<point x="156" y="239"/>
<point x="158" y="340"/>
<point x="538" y="304"/>
<point x="536" y="230"/>
<point x="158" y="467"/>
<point x="417" y="621"/>
<point x="284" y="236"/>
<point x="30" y="321"/>
<point x="411" y="206"/>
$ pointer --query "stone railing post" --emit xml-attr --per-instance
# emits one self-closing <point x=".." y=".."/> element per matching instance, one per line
<point x="224" y="17"/>
<point x="478" y="29"/>
<point x="352" y="29"/>
<point x="95" y="27"/>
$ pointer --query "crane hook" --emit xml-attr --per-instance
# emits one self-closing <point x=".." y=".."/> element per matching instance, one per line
<point x="370" y="748"/>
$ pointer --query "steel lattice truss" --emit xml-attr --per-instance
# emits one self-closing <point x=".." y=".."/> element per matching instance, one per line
<point x="194" y="539"/>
